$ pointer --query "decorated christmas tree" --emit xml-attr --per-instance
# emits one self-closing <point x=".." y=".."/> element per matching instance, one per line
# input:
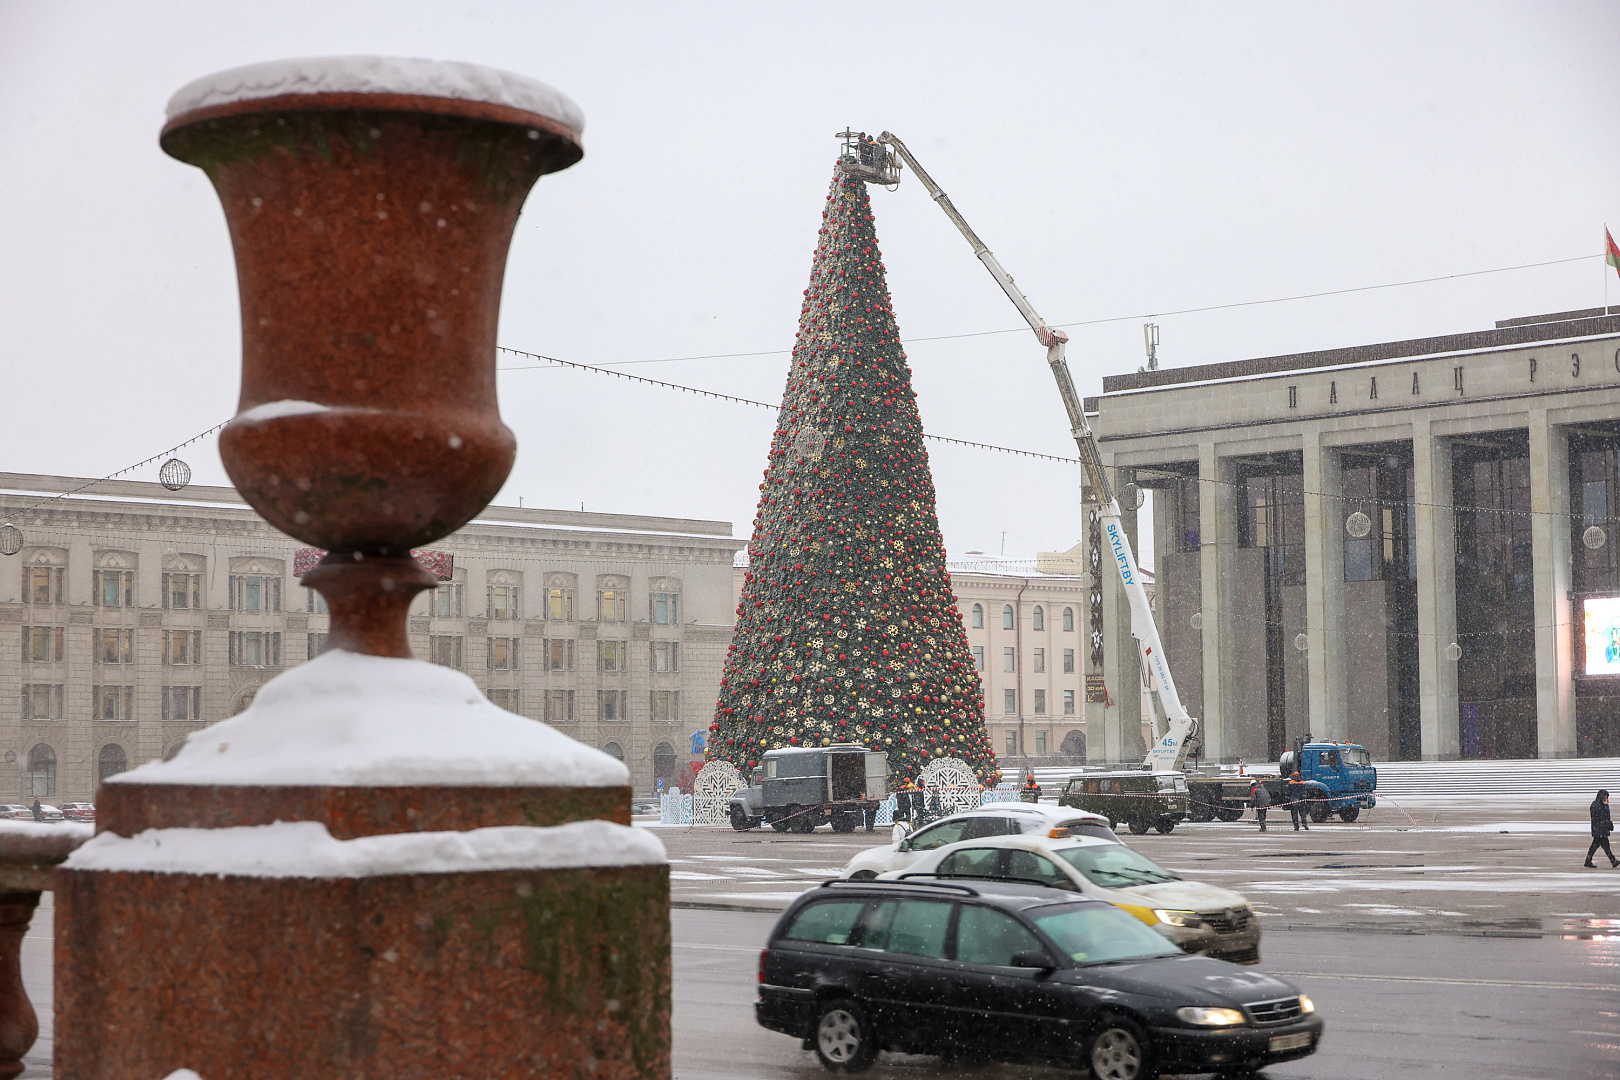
<point x="847" y="630"/>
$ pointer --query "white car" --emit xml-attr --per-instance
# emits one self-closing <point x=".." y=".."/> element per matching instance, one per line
<point x="997" y="819"/>
<point x="1199" y="918"/>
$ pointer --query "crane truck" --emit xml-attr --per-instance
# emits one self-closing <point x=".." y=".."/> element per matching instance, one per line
<point x="1157" y="794"/>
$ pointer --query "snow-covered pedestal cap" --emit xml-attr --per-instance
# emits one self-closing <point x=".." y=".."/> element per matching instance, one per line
<point x="393" y="80"/>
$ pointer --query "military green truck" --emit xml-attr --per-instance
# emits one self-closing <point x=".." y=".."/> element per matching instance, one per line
<point x="1143" y="800"/>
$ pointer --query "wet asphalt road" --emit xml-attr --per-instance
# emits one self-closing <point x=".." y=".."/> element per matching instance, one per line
<point x="1396" y="1005"/>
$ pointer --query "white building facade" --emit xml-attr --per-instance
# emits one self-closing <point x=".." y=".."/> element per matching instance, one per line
<point x="1410" y="545"/>
<point x="133" y="616"/>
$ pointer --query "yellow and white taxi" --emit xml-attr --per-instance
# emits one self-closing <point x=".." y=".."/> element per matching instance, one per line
<point x="1198" y="917"/>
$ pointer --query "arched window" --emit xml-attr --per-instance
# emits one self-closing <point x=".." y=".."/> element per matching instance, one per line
<point x="41" y="772"/>
<point x="110" y="762"/>
<point x="1006" y="617"/>
<point x="1040" y="617"/>
<point x="978" y="616"/>
<point x="1068" y="620"/>
<point x="613" y="748"/>
<point x="1074" y="744"/>
<point x="663" y="762"/>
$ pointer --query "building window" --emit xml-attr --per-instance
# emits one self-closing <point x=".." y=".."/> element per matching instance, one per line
<point x="560" y="605"/>
<point x="1040" y="744"/>
<point x="447" y="602"/>
<point x="1009" y="659"/>
<point x="112" y="703"/>
<point x="1068" y="620"/>
<point x="113" y="646"/>
<point x="663" y="762"/>
<point x="1039" y="660"/>
<point x="505" y="602"/>
<point x="182" y="592"/>
<point x="41" y="772"/>
<point x="1006" y="617"/>
<point x="613" y="657"/>
<point x="1068" y="703"/>
<point x="612" y="705"/>
<point x="559" y="706"/>
<point x="666" y="706"/>
<point x="665" y="608"/>
<point x="1068" y="661"/>
<point x="110" y="762"/>
<point x="42" y="644"/>
<point x="503" y="653"/>
<point x="1040" y="617"/>
<point x="503" y="699"/>
<point x="446" y="650"/>
<point x="182" y="703"/>
<point x="182" y="646"/>
<point x="1040" y="704"/>
<point x="316" y="644"/>
<point x="1009" y="702"/>
<point x="612" y="750"/>
<point x="1012" y="744"/>
<point x="610" y="605"/>
<point x="978" y="658"/>
<point x="978" y="616"/>
<point x="559" y="654"/>
<point x="42" y="701"/>
<point x="315" y="603"/>
<point x="114" y="588"/>
<point x="255" y="648"/>
<point x="42" y="585"/>
<point x="254" y="592"/>
<point x="666" y="656"/>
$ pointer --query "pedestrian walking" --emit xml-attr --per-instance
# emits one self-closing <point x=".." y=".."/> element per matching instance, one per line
<point x="39" y="812"/>
<point x="1602" y="826"/>
<point x="1261" y="799"/>
<point x="1298" y="803"/>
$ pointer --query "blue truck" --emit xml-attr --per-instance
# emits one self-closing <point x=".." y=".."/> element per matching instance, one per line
<point x="1339" y="775"/>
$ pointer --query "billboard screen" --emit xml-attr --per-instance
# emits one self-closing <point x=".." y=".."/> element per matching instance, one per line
<point x="1602" y="635"/>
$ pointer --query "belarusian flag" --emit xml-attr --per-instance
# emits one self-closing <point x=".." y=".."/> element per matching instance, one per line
<point x="1613" y="258"/>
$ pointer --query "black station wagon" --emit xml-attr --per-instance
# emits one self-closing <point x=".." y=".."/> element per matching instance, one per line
<point x="1009" y="972"/>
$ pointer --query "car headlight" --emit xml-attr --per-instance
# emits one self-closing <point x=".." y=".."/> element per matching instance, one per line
<point x="1306" y="1005"/>
<point x="1211" y="1017"/>
<point x="1177" y="918"/>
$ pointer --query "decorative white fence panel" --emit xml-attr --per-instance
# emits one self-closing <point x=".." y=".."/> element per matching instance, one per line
<point x="711" y="796"/>
<point x="675" y="809"/>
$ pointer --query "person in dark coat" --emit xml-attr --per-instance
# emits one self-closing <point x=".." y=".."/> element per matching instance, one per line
<point x="1298" y="807"/>
<point x="1261" y="798"/>
<point x="39" y="813"/>
<point x="1602" y="826"/>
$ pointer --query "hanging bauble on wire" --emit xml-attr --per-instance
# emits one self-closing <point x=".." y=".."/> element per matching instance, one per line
<point x="11" y="539"/>
<point x="1594" y="537"/>
<point x="1358" y="525"/>
<point x="174" y="474"/>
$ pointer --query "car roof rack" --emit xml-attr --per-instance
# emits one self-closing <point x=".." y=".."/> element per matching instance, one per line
<point x="995" y="880"/>
<point x="900" y="882"/>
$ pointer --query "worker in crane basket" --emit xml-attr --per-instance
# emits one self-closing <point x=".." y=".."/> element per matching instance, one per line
<point x="1031" y="791"/>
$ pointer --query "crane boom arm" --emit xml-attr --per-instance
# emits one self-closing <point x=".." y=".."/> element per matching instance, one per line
<point x="1167" y="752"/>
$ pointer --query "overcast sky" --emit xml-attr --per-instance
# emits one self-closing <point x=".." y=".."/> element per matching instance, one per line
<point x="1121" y="160"/>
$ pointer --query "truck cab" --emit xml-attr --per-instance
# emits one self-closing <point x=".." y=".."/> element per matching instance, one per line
<point x="795" y="789"/>
<point x="1342" y="771"/>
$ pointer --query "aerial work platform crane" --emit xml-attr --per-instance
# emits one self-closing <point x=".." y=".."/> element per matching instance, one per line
<point x="878" y="161"/>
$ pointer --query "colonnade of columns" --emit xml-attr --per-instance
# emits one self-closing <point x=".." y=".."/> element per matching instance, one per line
<point x="1328" y="676"/>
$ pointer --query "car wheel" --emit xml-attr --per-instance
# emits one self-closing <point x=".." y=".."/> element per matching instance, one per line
<point x="1118" y="1051"/>
<point x="1229" y="813"/>
<point x="1138" y="827"/>
<point x="1201" y="812"/>
<point x="1166" y="826"/>
<point x="1349" y="813"/>
<point x="739" y="818"/>
<point x="846" y="822"/>
<point x="782" y="826"/>
<point x="863" y="875"/>
<point x="1320" y="812"/>
<point x="843" y="1037"/>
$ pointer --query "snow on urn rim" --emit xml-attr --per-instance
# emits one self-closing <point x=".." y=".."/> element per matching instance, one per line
<point x="379" y="75"/>
<point x="350" y="720"/>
